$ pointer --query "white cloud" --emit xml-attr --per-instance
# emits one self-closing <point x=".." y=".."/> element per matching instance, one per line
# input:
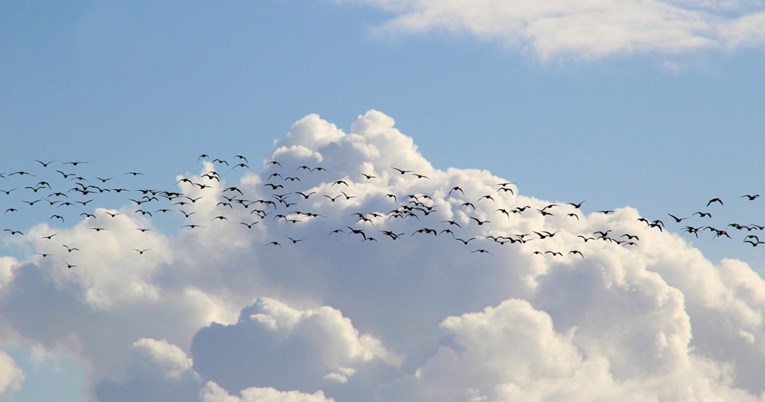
<point x="585" y="29"/>
<point x="274" y="344"/>
<point x="422" y="317"/>
<point x="11" y="376"/>
<point x="212" y="392"/>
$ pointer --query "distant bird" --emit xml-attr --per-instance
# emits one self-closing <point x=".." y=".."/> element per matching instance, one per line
<point x="70" y="249"/>
<point x="481" y="251"/>
<point x="463" y="241"/>
<point x="455" y="188"/>
<point x="677" y="220"/>
<point x="141" y="251"/>
<point x="304" y="195"/>
<point x="576" y="252"/>
<point x="368" y="176"/>
<point x="478" y="221"/>
<point x="402" y="171"/>
<point x="44" y="164"/>
<point x="713" y="200"/>
<point x="750" y="197"/>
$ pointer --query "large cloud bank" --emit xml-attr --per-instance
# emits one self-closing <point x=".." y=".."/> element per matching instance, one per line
<point x="358" y="301"/>
<point x="586" y="28"/>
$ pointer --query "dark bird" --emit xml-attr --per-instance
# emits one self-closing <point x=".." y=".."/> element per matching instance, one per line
<point x="368" y="176"/>
<point x="14" y="232"/>
<point x="702" y="214"/>
<point x="357" y="231"/>
<point x="50" y="236"/>
<point x="716" y="199"/>
<point x="750" y="197"/>
<point x="304" y="195"/>
<point x="575" y="252"/>
<point x="402" y="171"/>
<point x="74" y="163"/>
<point x="478" y="221"/>
<point x="464" y="241"/>
<point x="294" y="241"/>
<point x="454" y="223"/>
<point x="677" y="220"/>
<point x="141" y="251"/>
<point x="339" y="182"/>
<point x="70" y="249"/>
<point x="488" y="197"/>
<point x="333" y="198"/>
<point x="481" y="251"/>
<point x="576" y="205"/>
<point x="455" y="188"/>
<point x="249" y="225"/>
<point x="69" y="266"/>
<point x="44" y="164"/>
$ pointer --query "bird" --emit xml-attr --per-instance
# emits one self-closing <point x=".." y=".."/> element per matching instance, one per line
<point x="576" y="252"/>
<point x="750" y="197"/>
<point x="305" y="195"/>
<point x="402" y="171"/>
<point x="713" y="200"/>
<point x="141" y="251"/>
<point x="677" y="220"/>
<point x="481" y="251"/>
<point x="478" y="221"/>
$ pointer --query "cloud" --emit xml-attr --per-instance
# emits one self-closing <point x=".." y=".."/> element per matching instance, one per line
<point x="512" y="297"/>
<point x="273" y="344"/>
<point x="11" y="376"/>
<point x="212" y="392"/>
<point x="585" y="29"/>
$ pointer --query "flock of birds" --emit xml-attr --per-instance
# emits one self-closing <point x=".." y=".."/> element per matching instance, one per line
<point x="58" y="193"/>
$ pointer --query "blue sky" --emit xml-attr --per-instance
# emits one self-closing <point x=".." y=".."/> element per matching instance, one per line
<point x="656" y="124"/>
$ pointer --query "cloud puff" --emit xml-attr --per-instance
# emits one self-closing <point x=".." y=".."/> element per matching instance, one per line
<point x="586" y="29"/>
<point x="11" y="376"/>
<point x="351" y="268"/>
<point x="273" y="344"/>
<point x="212" y="392"/>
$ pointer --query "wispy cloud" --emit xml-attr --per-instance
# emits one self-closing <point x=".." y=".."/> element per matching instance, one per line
<point x="585" y="29"/>
<point x="318" y="277"/>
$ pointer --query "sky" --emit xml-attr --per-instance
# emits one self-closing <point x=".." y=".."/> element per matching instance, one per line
<point x="642" y="109"/>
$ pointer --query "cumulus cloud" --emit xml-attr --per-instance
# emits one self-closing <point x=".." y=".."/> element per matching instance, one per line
<point x="586" y="29"/>
<point x="11" y="376"/>
<point x="350" y="268"/>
